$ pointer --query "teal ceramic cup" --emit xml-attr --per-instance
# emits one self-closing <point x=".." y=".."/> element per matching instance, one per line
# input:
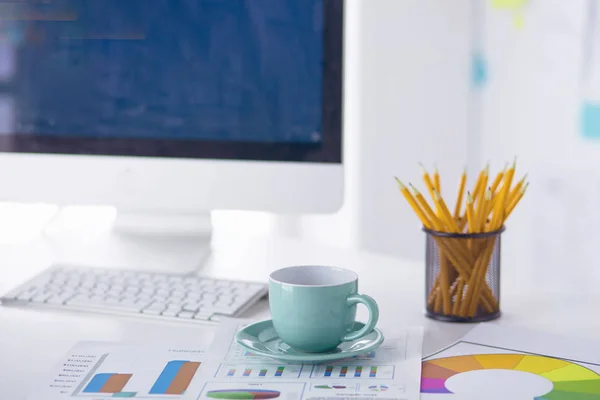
<point x="314" y="307"/>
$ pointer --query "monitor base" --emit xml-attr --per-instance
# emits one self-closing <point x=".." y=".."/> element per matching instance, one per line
<point x="103" y="237"/>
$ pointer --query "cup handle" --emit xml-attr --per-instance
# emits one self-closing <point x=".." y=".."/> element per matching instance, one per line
<point x="373" y="315"/>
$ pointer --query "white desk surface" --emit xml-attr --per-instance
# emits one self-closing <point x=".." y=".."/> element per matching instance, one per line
<point x="31" y="342"/>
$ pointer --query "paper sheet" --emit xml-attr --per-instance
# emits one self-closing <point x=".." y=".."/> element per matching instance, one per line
<point x="496" y="362"/>
<point x="99" y="371"/>
<point x="391" y="372"/>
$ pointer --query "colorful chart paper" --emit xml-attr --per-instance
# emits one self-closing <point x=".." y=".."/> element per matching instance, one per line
<point x="570" y="381"/>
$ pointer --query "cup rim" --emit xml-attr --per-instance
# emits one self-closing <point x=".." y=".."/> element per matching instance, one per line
<point x="328" y="267"/>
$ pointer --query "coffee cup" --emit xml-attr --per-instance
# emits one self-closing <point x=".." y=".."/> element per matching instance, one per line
<point x="313" y="308"/>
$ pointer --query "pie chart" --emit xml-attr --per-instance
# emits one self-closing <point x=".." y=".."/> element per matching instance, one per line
<point x="570" y="381"/>
<point x="236" y="394"/>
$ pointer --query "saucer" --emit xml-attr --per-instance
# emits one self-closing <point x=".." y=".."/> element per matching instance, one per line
<point x="261" y="339"/>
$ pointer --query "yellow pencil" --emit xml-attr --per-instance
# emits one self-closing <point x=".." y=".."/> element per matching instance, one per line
<point x="516" y="190"/>
<point x="436" y="180"/>
<point x="428" y="182"/>
<point x="479" y="188"/>
<point x="498" y="179"/>
<point x="499" y="211"/>
<point x="470" y="213"/>
<point x="435" y="221"/>
<point x="424" y="220"/>
<point x="485" y="210"/>
<point x="459" y="197"/>
<point x="445" y="213"/>
<point x="516" y="200"/>
<point x="508" y="178"/>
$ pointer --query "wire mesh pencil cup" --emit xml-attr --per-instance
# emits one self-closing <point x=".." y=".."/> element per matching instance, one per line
<point x="462" y="278"/>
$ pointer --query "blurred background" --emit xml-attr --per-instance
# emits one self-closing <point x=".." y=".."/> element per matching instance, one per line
<point x="454" y="84"/>
<point x="464" y="83"/>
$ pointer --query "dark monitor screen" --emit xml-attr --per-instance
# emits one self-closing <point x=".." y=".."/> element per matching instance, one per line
<point x="232" y="79"/>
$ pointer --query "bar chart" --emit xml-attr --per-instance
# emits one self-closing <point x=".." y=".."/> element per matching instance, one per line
<point x="353" y="371"/>
<point x="108" y="383"/>
<point x="238" y="354"/>
<point x="259" y="371"/>
<point x="145" y="372"/>
<point x="174" y="379"/>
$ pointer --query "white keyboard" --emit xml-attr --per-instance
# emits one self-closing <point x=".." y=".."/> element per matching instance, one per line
<point x="146" y="294"/>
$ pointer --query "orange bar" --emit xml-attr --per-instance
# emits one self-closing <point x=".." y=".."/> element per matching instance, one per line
<point x="183" y="378"/>
<point x="116" y="383"/>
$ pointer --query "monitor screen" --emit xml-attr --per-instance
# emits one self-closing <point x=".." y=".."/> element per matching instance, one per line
<point x="233" y="79"/>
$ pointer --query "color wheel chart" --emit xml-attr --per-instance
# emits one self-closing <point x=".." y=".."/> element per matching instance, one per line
<point x="570" y="381"/>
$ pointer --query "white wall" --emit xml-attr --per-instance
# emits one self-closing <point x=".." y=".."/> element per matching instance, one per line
<point x="407" y="97"/>
<point x="530" y="108"/>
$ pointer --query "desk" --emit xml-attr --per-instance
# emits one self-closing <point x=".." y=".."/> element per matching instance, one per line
<point x="32" y="341"/>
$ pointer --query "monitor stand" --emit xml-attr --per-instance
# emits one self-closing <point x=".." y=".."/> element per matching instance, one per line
<point x="103" y="237"/>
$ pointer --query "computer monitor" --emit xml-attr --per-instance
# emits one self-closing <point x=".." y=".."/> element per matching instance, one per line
<point x="172" y="107"/>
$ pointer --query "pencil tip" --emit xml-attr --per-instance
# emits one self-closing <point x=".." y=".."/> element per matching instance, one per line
<point x="423" y="169"/>
<point x="415" y="191"/>
<point x="488" y="194"/>
<point x="514" y="162"/>
<point x="469" y="198"/>
<point x="399" y="182"/>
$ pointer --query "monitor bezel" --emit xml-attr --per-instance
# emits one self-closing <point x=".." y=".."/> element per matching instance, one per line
<point x="328" y="150"/>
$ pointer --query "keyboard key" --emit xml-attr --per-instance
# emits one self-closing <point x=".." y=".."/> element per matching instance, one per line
<point x="144" y="296"/>
<point x="205" y="316"/>
<point x="157" y="305"/>
<point x="185" y="314"/>
<point x="40" y="298"/>
<point x="209" y="296"/>
<point x="151" y="311"/>
<point x="147" y="290"/>
<point x="223" y="310"/>
<point x="56" y="300"/>
<point x="226" y="299"/>
<point x="169" y="313"/>
<point x="192" y="307"/>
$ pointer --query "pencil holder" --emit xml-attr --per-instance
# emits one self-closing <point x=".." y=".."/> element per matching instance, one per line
<point x="462" y="276"/>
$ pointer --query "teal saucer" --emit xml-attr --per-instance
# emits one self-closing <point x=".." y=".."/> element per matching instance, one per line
<point x="261" y="339"/>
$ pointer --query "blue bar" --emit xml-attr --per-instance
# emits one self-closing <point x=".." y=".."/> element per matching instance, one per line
<point x="96" y="383"/>
<point x="166" y="377"/>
